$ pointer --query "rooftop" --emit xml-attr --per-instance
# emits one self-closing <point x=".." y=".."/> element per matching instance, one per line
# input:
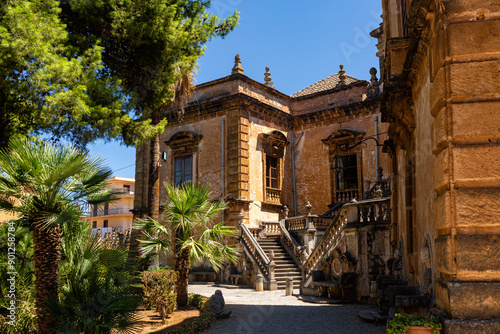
<point x="323" y="85"/>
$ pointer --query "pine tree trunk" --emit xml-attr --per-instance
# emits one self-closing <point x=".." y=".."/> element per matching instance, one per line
<point x="154" y="176"/>
<point x="46" y="257"/>
<point x="182" y="267"/>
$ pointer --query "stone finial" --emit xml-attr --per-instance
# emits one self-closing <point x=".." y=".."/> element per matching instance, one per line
<point x="267" y="78"/>
<point x="285" y="210"/>
<point x="241" y="216"/>
<point x="342" y="76"/>
<point x="373" y="89"/>
<point x="308" y="208"/>
<point x="373" y="72"/>
<point x="237" y="69"/>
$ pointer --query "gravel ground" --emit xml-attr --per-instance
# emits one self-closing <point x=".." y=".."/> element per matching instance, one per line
<point x="273" y="312"/>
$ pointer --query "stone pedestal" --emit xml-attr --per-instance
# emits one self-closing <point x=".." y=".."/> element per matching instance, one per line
<point x="259" y="283"/>
<point x="289" y="286"/>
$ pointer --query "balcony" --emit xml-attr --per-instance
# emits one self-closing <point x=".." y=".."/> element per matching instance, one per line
<point x="109" y="212"/>
<point x="346" y="195"/>
<point x="273" y="195"/>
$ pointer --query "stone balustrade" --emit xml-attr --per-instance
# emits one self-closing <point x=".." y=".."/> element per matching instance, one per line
<point x="273" y="195"/>
<point x="330" y="238"/>
<point x="258" y="256"/>
<point x="304" y="222"/>
<point x="298" y="253"/>
<point x="271" y="227"/>
<point x="346" y="195"/>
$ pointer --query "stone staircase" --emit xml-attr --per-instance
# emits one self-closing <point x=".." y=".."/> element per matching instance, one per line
<point x="285" y="266"/>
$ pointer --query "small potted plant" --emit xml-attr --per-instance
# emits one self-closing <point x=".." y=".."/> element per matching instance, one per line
<point x="413" y="324"/>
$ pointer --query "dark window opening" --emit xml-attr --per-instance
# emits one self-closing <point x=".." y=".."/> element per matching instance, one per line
<point x="347" y="178"/>
<point x="94" y="210"/>
<point x="106" y="209"/>
<point x="94" y="224"/>
<point x="183" y="170"/>
<point x="126" y="188"/>
<point x="105" y="223"/>
<point x="271" y="172"/>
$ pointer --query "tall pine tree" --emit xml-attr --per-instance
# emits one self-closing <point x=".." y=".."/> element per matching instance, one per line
<point x="152" y="47"/>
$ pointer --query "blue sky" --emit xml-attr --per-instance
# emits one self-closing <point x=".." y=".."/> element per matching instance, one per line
<point x="300" y="42"/>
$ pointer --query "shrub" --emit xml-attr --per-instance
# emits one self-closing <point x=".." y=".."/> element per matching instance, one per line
<point x="25" y="289"/>
<point x="95" y="294"/>
<point x="159" y="291"/>
<point x="399" y="325"/>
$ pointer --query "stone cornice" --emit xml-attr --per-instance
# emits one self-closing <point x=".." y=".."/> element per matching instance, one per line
<point x="419" y="23"/>
<point x="244" y="78"/>
<point x="266" y="112"/>
<point x="338" y="114"/>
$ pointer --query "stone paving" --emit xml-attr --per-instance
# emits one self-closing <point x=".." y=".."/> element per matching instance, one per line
<point x="273" y="312"/>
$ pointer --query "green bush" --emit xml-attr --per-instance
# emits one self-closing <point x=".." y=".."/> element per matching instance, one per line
<point x="25" y="289"/>
<point x="399" y="325"/>
<point x="159" y="291"/>
<point x="95" y="294"/>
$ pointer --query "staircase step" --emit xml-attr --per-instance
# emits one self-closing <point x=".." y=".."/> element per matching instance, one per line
<point x="285" y="265"/>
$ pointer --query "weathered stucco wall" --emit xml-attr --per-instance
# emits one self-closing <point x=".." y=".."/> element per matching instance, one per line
<point x="313" y="162"/>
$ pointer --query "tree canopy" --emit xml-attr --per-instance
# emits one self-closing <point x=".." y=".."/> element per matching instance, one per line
<point x="83" y="70"/>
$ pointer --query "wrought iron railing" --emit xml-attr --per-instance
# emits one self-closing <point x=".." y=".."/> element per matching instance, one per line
<point x="108" y="212"/>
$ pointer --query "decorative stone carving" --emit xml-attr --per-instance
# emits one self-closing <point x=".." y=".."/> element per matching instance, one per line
<point x="427" y="287"/>
<point x="342" y="76"/>
<point x="285" y="210"/>
<point x="308" y="208"/>
<point x="397" y="265"/>
<point x="373" y="89"/>
<point x="216" y="305"/>
<point x="267" y="78"/>
<point x="237" y="69"/>
<point x="184" y="142"/>
<point x="274" y="143"/>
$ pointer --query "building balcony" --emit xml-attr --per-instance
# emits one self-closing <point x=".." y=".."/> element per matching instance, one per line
<point x="273" y="195"/>
<point x="110" y="212"/>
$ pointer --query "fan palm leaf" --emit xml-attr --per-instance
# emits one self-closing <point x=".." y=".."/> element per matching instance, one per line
<point x="46" y="186"/>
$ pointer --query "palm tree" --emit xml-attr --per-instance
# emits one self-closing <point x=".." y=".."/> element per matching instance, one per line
<point x="46" y="186"/>
<point x="189" y="213"/>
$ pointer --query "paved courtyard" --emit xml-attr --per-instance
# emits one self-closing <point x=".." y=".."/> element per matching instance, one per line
<point x="273" y="312"/>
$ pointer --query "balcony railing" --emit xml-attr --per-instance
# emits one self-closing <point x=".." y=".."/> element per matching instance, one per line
<point x="311" y="221"/>
<point x="109" y="212"/>
<point x="273" y="195"/>
<point x="346" y="195"/>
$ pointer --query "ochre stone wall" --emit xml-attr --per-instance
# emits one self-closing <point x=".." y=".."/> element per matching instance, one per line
<point x="236" y="111"/>
<point x="442" y="101"/>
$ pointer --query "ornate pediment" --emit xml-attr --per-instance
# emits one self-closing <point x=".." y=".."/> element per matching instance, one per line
<point x="184" y="142"/>
<point x="342" y="136"/>
<point x="274" y="138"/>
<point x="274" y="143"/>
